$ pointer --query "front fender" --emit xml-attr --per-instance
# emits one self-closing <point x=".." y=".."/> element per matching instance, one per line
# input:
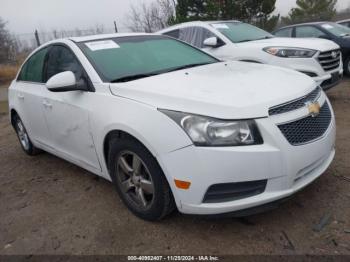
<point x="156" y="131"/>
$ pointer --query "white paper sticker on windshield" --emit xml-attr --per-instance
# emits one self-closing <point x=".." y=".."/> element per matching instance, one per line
<point x="327" y="26"/>
<point x="220" y="26"/>
<point x="100" y="45"/>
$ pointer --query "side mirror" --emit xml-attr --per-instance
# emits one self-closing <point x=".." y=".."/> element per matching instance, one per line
<point x="64" y="82"/>
<point x="211" y="42"/>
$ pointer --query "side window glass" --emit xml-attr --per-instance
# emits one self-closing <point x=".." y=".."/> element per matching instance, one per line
<point x="61" y="59"/>
<point x="195" y="35"/>
<point x="284" y="32"/>
<point x="174" y="33"/>
<point x="32" y="70"/>
<point x="308" y="31"/>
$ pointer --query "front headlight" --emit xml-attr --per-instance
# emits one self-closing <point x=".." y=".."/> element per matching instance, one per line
<point x="290" y="52"/>
<point x="207" y="131"/>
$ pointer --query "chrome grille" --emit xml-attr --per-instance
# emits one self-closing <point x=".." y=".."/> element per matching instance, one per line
<point x="329" y="60"/>
<point x="296" y="104"/>
<point x="307" y="129"/>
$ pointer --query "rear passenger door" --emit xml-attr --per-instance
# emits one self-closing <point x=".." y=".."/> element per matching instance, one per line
<point x="67" y="113"/>
<point x="29" y="96"/>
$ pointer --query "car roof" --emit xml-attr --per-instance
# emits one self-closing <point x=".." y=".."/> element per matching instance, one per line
<point x="104" y="36"/>
<point x="345" y="20"/>
<point x="196" y="23"/>
<point x="310" y="23"/>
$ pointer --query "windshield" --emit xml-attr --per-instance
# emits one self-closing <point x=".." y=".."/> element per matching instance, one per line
<point x="133" y="57"/>
<point x="336" y="29"/>
<point x="239" y="32"/>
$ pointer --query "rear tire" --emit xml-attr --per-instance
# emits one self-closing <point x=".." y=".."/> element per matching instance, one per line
<point x="24" y="139"/>
<point x="139" y="180"/>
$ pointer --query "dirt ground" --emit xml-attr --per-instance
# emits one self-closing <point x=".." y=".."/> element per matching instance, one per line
<point x="49" y="206"/>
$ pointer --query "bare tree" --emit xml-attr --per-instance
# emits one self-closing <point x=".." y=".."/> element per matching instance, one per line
<point x="7" y="44"/>
<point x="152" y="17"/>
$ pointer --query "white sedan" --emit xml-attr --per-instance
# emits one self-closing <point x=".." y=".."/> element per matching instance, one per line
<point x="172" y="126"/>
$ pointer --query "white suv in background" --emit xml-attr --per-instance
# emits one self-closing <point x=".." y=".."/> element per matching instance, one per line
<point x="234" y="40"/>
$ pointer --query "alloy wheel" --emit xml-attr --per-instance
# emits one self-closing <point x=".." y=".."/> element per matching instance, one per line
<point x="22" y="135"/>
<point x="135" y="179"/>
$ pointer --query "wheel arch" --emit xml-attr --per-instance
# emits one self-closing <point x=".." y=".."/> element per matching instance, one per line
<point x="13" y="114"/>
<point x="120" y="134"/>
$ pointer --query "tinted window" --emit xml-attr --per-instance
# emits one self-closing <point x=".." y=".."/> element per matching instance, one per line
<point x="240" y="32"/>
<point x="174" y="33"/>
<point x="61" y="59"/>
<point x="287" y="32"/>
<point x="308" y="31"/>
<point x="32" y="70"/>
<point x="335" y="29"/>
<point x="122" y="57"/>
<point x="195" y="35"/>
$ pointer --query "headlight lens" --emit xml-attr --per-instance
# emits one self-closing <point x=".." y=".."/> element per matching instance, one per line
<point x="207" y="131"/>
<point x="290" y="52"/>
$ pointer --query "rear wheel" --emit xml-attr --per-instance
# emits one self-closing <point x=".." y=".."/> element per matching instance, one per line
<point x="139" y="180"/>
<point x="24" y="139"/>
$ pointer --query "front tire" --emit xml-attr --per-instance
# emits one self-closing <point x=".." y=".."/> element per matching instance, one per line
<point x="139" y="180"/>
<point x="347" y="66"/>
<point x="24" y="139"/>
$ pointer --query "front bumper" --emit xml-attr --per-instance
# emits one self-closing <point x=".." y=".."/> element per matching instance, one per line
<point x="311" y="66"/>
<point x="286" y="168"/>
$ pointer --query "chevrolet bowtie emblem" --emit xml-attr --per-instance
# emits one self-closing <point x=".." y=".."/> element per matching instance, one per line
<point x="314" y="109"/>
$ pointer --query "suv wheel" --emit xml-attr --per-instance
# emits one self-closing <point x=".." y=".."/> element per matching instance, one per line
<point x="139" y="180"/>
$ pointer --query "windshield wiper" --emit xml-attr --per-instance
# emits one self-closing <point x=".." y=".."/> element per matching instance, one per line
<point x="139" y="76"/>
<point x="132" y="77"/>
<point x="187" y="66"/>
<point x="345" y="34"/>
<point x="248" y="40"/>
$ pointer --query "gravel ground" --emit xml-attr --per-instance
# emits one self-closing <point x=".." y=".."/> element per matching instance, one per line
<point x="49" y="206"/>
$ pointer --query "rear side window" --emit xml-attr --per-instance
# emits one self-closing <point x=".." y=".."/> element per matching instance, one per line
<point x="32" y="70"/>
<point x="174" y="33"/>
<point x="308" y="31"/>
<point x="287" y="32"/>
<point x="62" y="59"/>
<point x="195" y="35"/>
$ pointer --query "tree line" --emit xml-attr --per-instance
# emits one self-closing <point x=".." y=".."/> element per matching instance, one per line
<point x="151" y="17"/>
<point x="162" y="13"/>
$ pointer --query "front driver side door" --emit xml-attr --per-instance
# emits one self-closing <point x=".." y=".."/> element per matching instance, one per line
<point x="29" y="94"/>
<point x="67" y="113"/>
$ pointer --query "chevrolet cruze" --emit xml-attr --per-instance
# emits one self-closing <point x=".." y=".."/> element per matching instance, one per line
<point x="171" y="126"/>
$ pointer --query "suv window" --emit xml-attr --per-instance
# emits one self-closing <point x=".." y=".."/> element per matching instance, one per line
<point x="32" y="70"/>
<point x="308" y="31"/>
<point x="62" y="59"/>
<point x="195" y="35"/>
<point x="287" y="32"/>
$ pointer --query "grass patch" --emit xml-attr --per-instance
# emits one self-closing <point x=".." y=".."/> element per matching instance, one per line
<point x="8" y="73"/>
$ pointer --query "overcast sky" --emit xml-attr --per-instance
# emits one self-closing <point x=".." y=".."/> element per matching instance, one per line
<point x="24" y="16"/>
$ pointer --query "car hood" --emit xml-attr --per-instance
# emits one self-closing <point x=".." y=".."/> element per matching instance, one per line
<point x="310" y="43"/>
<point x="232" y="90"/>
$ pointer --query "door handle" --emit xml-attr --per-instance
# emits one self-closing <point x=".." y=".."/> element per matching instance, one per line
<point x="47" y="104"/>
<point x="20" y="96"/>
